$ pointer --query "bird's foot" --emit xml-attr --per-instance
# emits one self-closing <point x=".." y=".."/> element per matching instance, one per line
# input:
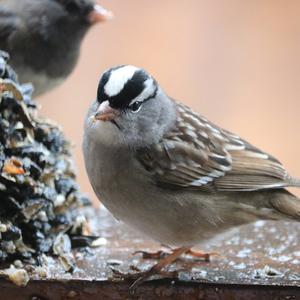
<point x="141" y="276"/>
<point x="206" y="256"/>
<point x="146" y="275"/>
<point x="152" y="255"/>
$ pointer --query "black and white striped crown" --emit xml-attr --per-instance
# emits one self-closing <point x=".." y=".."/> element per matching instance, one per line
<point x="125" y="85"/>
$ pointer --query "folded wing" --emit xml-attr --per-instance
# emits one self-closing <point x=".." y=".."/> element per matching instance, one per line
<point x="197" y="154"/>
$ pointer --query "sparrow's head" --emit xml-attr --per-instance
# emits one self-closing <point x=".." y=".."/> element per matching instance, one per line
<point x="131" y="109"/>
<point x="84" y="11"/>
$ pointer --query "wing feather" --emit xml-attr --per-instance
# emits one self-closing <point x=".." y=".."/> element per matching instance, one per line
<point x="197" y="154"/>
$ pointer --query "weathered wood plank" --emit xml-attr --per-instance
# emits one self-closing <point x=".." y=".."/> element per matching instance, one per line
<point x="261" y="261"/>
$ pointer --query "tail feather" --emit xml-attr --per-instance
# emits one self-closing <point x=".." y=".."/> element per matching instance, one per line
<point x="293" y="182"/>
<point x="287" y="204"/>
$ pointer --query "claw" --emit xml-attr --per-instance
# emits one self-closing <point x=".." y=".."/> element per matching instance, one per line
<point x="144" y="276"/>
<point x="127" y="276"/>
<point x="160" y="254"/>
<point x="152" y="255"/>
<point x="203" y="255"/>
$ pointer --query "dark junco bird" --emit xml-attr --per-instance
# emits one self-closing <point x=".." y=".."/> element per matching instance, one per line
<point x="43" y="37"/>
<point x="171" y="173"/>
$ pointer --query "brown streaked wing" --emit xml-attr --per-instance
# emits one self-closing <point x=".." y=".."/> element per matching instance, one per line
<point x="197" y="154"/>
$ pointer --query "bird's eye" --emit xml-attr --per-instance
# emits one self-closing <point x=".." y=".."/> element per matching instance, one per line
<point x="72" y="6"/>
<point x="135" y="107"/>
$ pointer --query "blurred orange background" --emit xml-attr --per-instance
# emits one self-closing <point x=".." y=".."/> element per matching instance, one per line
<point x="236" y="62"/>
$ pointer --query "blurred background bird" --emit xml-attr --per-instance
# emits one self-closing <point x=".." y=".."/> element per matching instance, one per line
<point x="43" y="37"/>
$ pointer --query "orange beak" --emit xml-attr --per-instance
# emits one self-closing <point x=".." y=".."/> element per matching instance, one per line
<point x="106" y="113"/>
<point x="99" y="14"/>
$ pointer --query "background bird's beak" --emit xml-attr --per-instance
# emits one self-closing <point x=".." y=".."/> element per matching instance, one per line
<point x="106" y="113"/>
<point x="99" y="14"/>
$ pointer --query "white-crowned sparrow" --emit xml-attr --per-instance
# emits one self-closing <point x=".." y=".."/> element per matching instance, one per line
<point x="43" y="37"/>
<point x="172" y="174"/>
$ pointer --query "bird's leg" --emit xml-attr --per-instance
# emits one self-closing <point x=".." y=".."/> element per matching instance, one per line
<point x="203" y="255"/>
<point x="153" y="255"/>
<point x="156" y="269"/>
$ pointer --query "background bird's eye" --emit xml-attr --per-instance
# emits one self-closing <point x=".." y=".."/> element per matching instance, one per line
<point x="135" y="107"/>
<point x="72" y="7"/>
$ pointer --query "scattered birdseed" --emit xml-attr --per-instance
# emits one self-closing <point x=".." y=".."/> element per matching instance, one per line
<point x="19" y="277"/>
<point x="267" y="272"/>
